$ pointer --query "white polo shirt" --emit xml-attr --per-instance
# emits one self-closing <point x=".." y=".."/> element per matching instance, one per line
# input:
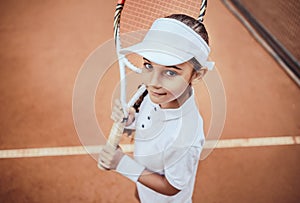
<point x="169" y="142"/>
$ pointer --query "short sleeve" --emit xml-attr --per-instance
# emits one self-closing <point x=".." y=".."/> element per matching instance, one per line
<point x="181" y="165"/>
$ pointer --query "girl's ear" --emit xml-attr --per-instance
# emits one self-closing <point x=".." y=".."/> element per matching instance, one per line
<point x="198" y="75"/>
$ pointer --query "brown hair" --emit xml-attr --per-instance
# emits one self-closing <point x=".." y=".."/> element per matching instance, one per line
<point x="196" y="25"/>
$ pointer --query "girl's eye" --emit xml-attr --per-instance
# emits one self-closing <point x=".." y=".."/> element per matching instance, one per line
<point x="148" y="66"/>
<point x="170" y="73"/>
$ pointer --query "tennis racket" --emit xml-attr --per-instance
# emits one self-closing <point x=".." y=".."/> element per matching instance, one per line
<point x="139" y="15"/>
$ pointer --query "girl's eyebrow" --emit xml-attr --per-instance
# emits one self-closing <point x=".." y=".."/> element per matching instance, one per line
<point x="175" y="67"/>
<point x="146" y="59"/>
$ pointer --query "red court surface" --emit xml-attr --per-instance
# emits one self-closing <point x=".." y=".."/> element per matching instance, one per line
<point x="43" y="46"/>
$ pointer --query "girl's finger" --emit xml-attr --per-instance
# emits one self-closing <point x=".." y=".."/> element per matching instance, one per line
<point x="117" y="117"/>
<point x="118" y="103"/>
<point x="104" y="165"/>
<point x="114" y="117"/>
<point x="117" y="109"/>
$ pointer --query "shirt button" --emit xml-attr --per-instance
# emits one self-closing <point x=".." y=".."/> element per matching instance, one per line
<point x="143" y="125"/>
<point x="154" y="108"/>
<point x="148" y="117"/>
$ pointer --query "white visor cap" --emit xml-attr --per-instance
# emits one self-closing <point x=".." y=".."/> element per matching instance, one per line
<point x="170" y="42"/>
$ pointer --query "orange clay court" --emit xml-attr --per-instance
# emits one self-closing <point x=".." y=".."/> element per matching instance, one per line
<point x="43" y="46"/>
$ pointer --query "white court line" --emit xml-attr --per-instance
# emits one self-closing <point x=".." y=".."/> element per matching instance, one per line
<point x="255" y="142"/>
<point x="80" y="150"/>
<point x="56" y="151"/>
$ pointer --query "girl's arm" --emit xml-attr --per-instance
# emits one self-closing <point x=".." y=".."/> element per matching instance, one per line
<point x="157" y="182"/>
<point x="112" y="159"/>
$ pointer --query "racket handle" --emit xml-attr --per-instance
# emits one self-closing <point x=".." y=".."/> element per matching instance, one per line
<point x="114" y="137"/>
<point x="116" y="134"/>
<point x="117" y="129"/>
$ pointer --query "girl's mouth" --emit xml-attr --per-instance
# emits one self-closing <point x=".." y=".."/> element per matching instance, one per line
<point x="157" y="94"/>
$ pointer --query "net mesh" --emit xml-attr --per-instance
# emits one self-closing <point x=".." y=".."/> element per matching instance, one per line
<point x="280" y="20"/>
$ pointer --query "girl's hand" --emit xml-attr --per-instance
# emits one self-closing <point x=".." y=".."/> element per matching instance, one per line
<point x="118" y="114"/>
<point x="109" y="157"/>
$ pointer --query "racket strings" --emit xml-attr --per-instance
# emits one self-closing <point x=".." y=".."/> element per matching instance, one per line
<point x="139" y="15"/>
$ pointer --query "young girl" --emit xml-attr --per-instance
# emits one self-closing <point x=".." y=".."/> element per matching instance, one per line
<point x="169" y="129"/>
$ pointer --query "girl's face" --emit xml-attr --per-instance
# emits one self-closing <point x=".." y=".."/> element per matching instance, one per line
<point x="168" y="85"/>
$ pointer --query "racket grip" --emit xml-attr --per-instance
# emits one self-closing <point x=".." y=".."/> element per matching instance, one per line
<point x="116" y="134"/>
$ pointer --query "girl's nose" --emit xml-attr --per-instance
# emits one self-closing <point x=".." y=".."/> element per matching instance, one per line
<point x="154" y="79"/>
